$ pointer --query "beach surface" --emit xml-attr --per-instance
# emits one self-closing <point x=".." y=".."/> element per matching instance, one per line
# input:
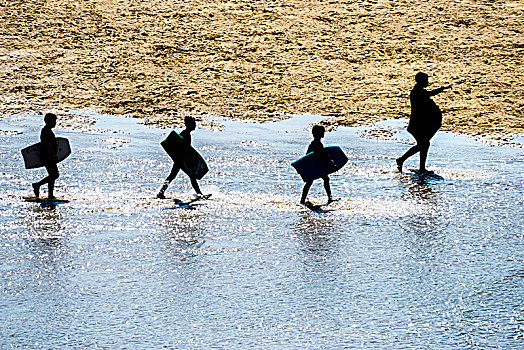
<point x="352" y="60"/>
<point x="401" y="261"/>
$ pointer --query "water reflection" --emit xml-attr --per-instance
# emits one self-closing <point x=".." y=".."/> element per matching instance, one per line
<point x="397" y="255"/>
<point x="424" y="193"/>
<point x="45" y="241"/>
<point x="423" y="228"/>
<point x="44" y="223"/>
<point x="424" y="190"/>
<point x="183" y="232"/>
<point x="317" y="236"/>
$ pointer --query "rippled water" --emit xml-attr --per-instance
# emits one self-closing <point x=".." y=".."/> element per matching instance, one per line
<point x="398" y="262"/>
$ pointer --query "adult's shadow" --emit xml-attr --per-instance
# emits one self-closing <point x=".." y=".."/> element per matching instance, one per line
<point x="422" y="185"/>
<point x="425" y="177"/>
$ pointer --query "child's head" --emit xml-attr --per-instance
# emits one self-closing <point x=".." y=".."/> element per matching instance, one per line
<point x="318" y="131"/>
<point x="50" y="119"/>
<point x="190" y="123"/>
<point x="422" y="78"/>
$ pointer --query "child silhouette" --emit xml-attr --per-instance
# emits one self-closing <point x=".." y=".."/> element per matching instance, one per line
<point x="317" y="146"/>
<point x="190" y="125"/>
<point x="48" y="155"/>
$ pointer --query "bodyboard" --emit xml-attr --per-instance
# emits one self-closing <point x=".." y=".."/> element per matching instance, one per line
<point x="312" y="166"/>
<point x="31" y="154"/>
<point x="191" y="162"/>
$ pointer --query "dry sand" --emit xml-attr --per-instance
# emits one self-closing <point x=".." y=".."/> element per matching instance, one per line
<point x="353" y="60"/>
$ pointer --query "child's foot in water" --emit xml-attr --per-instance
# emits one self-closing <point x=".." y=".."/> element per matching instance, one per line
<point x="202" y="196"/>
<point x="36" y="190"/>
<point x="331" y="200"/>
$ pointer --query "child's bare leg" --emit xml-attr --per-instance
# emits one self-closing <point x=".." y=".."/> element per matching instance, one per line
<point x="36" y="189"/>
<point x="194" y="183"/>
<point x="171" y="177"/>
<point x="305" y="191"/>
<point x="51" y="188"/>
<point x="50" y="179"/>
<point x="327" y="188"/>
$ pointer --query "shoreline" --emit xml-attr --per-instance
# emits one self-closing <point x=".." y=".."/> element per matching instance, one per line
<point x="349" y="61"/>
<point x="84" y="120"/>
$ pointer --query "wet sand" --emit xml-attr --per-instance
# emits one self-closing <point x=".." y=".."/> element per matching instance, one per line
<point x="352" y="60"/>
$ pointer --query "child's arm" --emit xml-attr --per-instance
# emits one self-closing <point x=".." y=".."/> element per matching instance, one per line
<point x="48" y="148"/>
<point x="186" y="137"/>
<point x="325" y="157"/>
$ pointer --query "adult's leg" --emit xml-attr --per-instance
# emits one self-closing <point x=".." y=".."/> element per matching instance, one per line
<point x="410" y="152"/>
<point x="305" y="191"/>
<point x="424" y="148"/>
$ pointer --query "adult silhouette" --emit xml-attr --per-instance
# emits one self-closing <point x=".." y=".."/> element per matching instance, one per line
<point x="425" y="120"/>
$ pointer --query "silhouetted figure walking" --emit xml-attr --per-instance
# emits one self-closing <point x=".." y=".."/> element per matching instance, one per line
<point x="190" y="124"/>
<point x="317" y="146"/>
<point x="425" y="120"/>
<point x="48" y="155"/>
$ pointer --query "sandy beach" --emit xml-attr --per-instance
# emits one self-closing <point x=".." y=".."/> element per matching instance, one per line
<point x="352" y="60"/>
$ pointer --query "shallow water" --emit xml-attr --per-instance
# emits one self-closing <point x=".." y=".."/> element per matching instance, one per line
<point x="399" y="262"/>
